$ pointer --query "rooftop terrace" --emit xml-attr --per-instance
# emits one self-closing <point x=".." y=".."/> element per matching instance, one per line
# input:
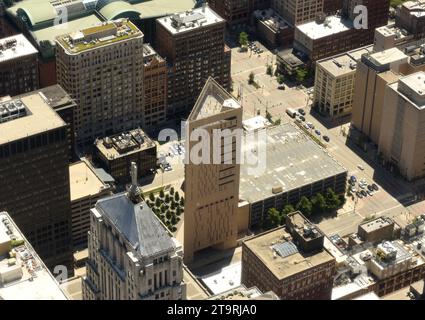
<point x="99" y="35"/>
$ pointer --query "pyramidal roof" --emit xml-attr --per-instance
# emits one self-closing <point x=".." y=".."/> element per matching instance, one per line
<point x="137" y="223"/>
<point x="212" y="100"/>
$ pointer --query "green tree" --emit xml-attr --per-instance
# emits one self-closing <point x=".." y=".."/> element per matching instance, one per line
<point x="269" y="70"/>
<point x="161" y="193"/>
<point x="163" y="209"/>
<point x="157" y="202"/>
<point x="301" y="74"/>
<point x="172" y="190"/>
<point x="269" y="116"/>
<point x="273" y="219"/>
<point x="319" y="203"/>
<point x="278" y="122"/>
<point x="251" y="78"/>
<point x="287" y="210"/>
<point x="182" y="201"/>
<point x="167" y="198"/>
<point x="168" y="215"/>
<point x="280" y="78"/>
<point x="332" y="200"/>
<point x="305" y="206"/>
<point x="174" y="220"/>
<point x="177" y="197"/>
<point x="243" y="39"/>
<point x="151" y="197"/>
<point x="173" y="205"/>
<point x="178" y="211"/>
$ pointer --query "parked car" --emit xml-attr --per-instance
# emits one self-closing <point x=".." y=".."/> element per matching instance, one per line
<point x="281" y="87"/>
<point x="359" y="195"/>
<point x="326" y="138"/>
<point x="375" y="186"/>
<point x="353" y="179"/>
<point x="353" y="189"/>
<point x="318" y="132"/>
<point x="302" y="118"/>
<point x="369" y="187"/>
<point x="311" y="126"/>
<point x="301" y="111"/>
<point x="360" y="167"/>
<point x="364" y="194"/>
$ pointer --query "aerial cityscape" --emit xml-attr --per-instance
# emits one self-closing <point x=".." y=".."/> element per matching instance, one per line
<point x="214" y="150"/>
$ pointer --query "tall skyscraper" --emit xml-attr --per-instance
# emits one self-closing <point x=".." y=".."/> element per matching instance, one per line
<point x="18" y="66"/>
<point x="102" y="69"/>
<point x="193" y="44"/>
<point x="212" y="186"/>
<point x="34" y="176"/>
<point x="132" y="256"/>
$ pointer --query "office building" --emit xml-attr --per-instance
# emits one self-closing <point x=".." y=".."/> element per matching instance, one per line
<point x="155" y="86"/>
<point x="390" y="36"/>
<point x="373" y="73"/>
<point x="378" y="230"/>
<point x="193" y="44"/>
<point x="296" y="167"/>
<point x="43" y="21"/>
<point x="292" y="263"/>
<point x="86" y="190"/>
<point x="212" y="187"/>
<point x="60" y="101"/>
<point x="335" y="34"/>
<point x="402" y="133"/>
<point x="102" y="69"/>
<point x="298" y="11"/>
<point x="35" y="177"/>
<point x="23" y="276"/>
<point x="237" y="13"/>
<point x="116" y="153"/>
<point x="411" y="17"/>
<point x="334" y="86"/>
<point x="18" y="66"/>
<point x="132" y="256"/>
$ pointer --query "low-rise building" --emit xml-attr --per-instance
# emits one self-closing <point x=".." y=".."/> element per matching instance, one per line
<point x="273" y="29"/>
<point x="23" y="275"/>
<point x="115" y="154"/>
<point x="411" y="17"/>
<point x="86" y="190"/>
<point x="379" y="229"/>
<point x="243" y="293"/>
<point x="296" y="166"/>
<point x="280" y="261"/>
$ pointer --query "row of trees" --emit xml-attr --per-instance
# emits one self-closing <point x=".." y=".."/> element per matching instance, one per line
<point x="168" y="207"/>
<point x="318" y="204"/>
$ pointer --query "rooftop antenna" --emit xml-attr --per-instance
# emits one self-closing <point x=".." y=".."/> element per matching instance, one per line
<point x="134" y="192"/>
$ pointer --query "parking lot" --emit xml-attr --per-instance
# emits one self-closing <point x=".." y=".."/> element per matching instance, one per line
<point x="268" y="96"/>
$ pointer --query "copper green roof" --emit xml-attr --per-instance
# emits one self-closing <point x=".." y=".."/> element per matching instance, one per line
<point x="118" y="9"/>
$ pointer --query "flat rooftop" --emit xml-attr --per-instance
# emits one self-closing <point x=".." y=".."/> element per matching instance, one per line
<point x="243" y="293"/>
<point x="40" y="117"/>
<point x="27" y="276"/>
<point x="332" y="25"/>
<point x="416" y="8"/>
<point x="194" y="289"/>
<point x="15" y="47"/>
<point x="412" y="88"/>
<point x="226" y="279"/>
<point x="83" y="181"/>
<point x="122" y="144"/>
<point x="292" y="161"/>
<point x="387" y="56"/>
<point x="283" y="267"/>
<point x="100" y="35"/>
<point x="190" y="20"/>
<point x="376" y="224"/>
<point x="340" y="65"/>
<point x="51" y="33"/>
